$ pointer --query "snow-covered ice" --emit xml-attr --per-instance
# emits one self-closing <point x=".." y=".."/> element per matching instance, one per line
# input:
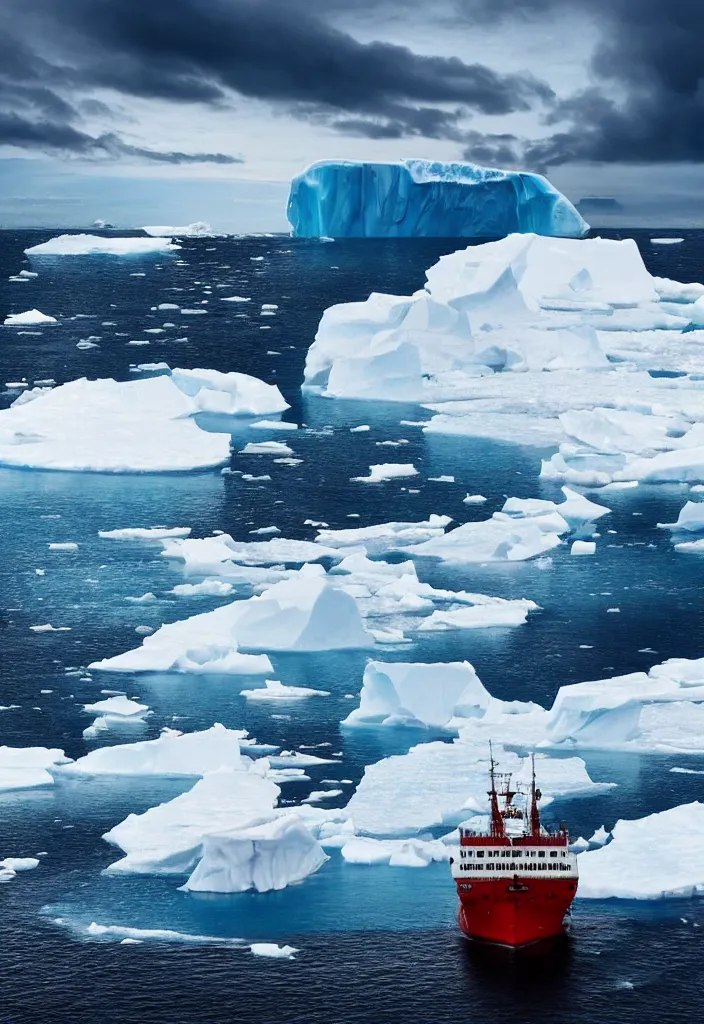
<point x="411" y="853"/>
<point x="271" y="949"/>
<point x="500" y="538"/>
<point x="117" y="707"/>
<point x="89" y="245"/>
<point x="31" y="317"/>
<point x="138" y="426"/>
<point x="387" y="471"/>
<point x="384" y="537"/>
<point x="28" y="767"/>
<point x="346" y="198"/>
<point x="233" y="394"/>
<point x="266" y="448"/>
<point x="261" y="856"/>
<point x="155" y="533"/>
<point x="275" y="690"/>
<point x="655" y="857"/>
<point x="303" y="613"/>
<point x="168" y="839"/>
<point x="190" y="754"/>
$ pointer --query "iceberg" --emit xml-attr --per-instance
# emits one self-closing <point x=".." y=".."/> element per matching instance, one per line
<point x="411" y="198"/>
<point x="168" y="839"/>
<point x="265" y="856"/>
<point x="655" y="857"/>
<point x="232" y="394"/>
<point x="689" y="520"/>
<point x="303" y="613"/>
<point x="443" y="783"/>
<point x="106" y="426"/>
<point x="90" y="245"/>
<point x="191" y="755"/>
<point x="31" y="317"/>
<point x="426" y="696"/>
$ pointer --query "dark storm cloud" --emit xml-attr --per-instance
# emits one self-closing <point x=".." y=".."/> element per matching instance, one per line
<point x="279" y="51"/>
<point x="647" y="103"/>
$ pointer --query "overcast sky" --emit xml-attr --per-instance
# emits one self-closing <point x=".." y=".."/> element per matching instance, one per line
<point x="168" y="111"/>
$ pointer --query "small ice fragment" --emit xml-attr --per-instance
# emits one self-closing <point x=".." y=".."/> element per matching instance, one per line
<point x="360" y="429"/>
<point x="387" y="471"/>
<point x="31" y="316"/>
<point x="441" y="479"/>
<point x="144" y="599"/>
<point x="265" y="529"/>
<point x="48" y="628"/>
<point x="266" y="448"/>
<point x="613" y="610"/>
<point x="583" y="547"/>
<point x="66" y="546"/>
<point x="474" y="499"/>
<point x="270" y="948"/>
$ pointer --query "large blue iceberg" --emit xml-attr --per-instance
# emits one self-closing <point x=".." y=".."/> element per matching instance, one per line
<point x="345" y="198"/>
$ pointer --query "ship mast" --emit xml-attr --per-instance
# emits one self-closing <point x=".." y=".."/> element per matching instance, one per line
<point x="535" y="796"/>
<point x="497" y="822"/>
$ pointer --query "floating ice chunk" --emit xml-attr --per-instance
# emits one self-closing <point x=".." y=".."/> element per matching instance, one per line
<point x="343" y="198"/>
<point x="266" y="448"/>
<point x="271" y="949"/>
<point x="19" y="863"/>
<point x="109" y="426"/>
<point x="382" y="538"/>
<point x="198" y="229"/>
<point x="155" y="533"/>
<point x="264" y="530"/>
<point x="27" y="767"/>
<point x="679" y="466"/>
<point x="655" y="857"/>
<point x="218" y="550"/>
<point x="321" y="794"/>
<point x="441" y="479"/>
<point x="495" y="539"/>
<point x="660" y="710"/>
<point x="274" y="690"/>
<point x="474" y="499"/>
<point x="138" y="935"/>
<point x="233" y="394"/>
<point x="692" y="547"/>
<point x="117" y="707"/>
<point x="690" y="519"/>
<point x="32" y="316"/>
<point x="273" y="425"/>
<point x="303" y="613"/>
<point x="414" y="853"/>
<point x="687" y="771"/>
<point x="361" y="429"/>
<point x="88" y="245"/>
<point x="168" y="839"/>
<point x="480" y="616"/>
<point x="666" y="241"/>
<point x="236" y="298"/>
<point x="147" y="598"/>
<point x="207" y="588"/>
<point x="583" y="547"/>
<point x="407" y="694"/>
<point x="263" y="856"/>
<point x="387" y="471"/>
<point x="600" y="837"/>
<point x="189" y="754"/>
<point x="48" y="628"/>
<point x="68" y="545"/>
<point x="442" y="783"/>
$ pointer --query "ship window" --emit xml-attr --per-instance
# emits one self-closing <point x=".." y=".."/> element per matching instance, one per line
<point x="505" y="853"/>
<point x="553" y="853"/>
<point x="518" y="853"/>
<point x="541" y="853"/>
<point x="480" y="853"/>
<point x="564" y="854"/>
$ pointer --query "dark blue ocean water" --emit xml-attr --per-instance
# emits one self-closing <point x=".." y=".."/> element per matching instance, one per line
<point x="377" y="945"/>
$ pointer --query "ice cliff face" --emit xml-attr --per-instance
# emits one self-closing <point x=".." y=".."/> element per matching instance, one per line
<point x="344" y="198"/>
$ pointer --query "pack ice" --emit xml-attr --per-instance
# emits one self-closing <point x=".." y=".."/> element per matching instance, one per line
<point x="655" y="857"/>
<point x="303" y="613"/>
<point x="443" y="783"/>
<point x="91" y="245"/>
<point x="344" y="198"/>
<point x="138" y="426"/>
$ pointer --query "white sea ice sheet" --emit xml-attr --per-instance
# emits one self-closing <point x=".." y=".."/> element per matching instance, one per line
<point x="190" y="754"/>
<point x="656" y="857"/>
<point x="271" y="949"/>
<point x="155" y="533"/>
<point x="138" y="426"/>
<point x="412" y="853"/>
<point x="384" y="537"/>
<point x="264" y="856"/>
<point x="30" y="317"/>
<point x="89" y="245"/>
<point x="117" y="707"/>
<point x="387" y="471"/>
<point x="495" y="539"/>
<point x="28" y="767"/>
<point x="275" y="690"/>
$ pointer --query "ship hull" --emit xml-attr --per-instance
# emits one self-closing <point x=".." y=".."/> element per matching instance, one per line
<point x="515" y="914"/>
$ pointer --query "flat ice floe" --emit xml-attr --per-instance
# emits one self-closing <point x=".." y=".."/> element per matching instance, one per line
<point x="261" y="856"/>
<point x="106" y="426"/>
<point x="168" y="839"/>
<point x="303" y="613"/>
<point x="274" y="690"/>
<point x="149" y="533"/>
<point x="198" y="229"/>
<point x="407" y="853"/>
<point x="501" y="538"/>
<point x="117" y="707"/>
<point x="90" y="245"/>
<point x="385" y="536"/>
<point x="189" y="754"/>
<point x="387" y="471"/>
<point x="444" y="783"/>
<point x="216" y="552"/>
<point x="28" y="767"/>
<point x="655" y="857"/>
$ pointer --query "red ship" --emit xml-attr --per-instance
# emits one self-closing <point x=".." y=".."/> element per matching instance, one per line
<point x="517" y="881"/>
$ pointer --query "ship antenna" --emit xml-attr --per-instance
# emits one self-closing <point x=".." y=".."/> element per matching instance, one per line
<point x="535" y="795"/>
<point x="497" y="822"/>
